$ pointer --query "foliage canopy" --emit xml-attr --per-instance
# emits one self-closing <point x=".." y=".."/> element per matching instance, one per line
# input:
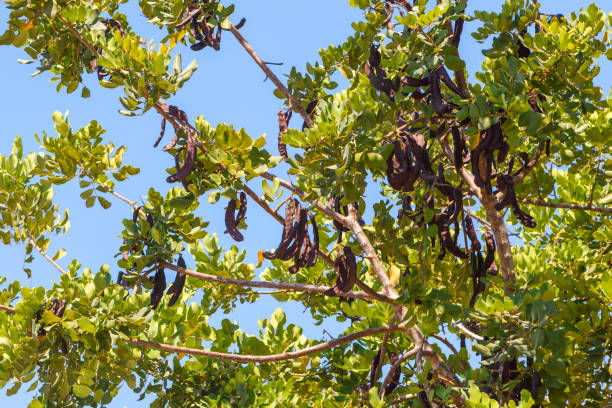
<point x="482" y="279"/>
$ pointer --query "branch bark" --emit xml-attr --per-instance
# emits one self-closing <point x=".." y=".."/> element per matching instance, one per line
<point x="47" y="257"/>
<point x="296" y="287"/>
<point x="569" y="206"/>
<point x="279" y="85"/>
<point x="245" y="358"/>
<point x="7" y="308"/>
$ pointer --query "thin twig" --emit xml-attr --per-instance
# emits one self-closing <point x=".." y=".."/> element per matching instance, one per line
<point x="279" y="85"/>
<point x="47" y="257"/>
<point x="451" y="347"/>
<point x="78" y="35"/>
<point x="467" y="331"/>
<point x="381" y="360"/>
<point x="245" y="358"/>
<point x="569" y="206"/>
<point x="530" y="165"/>
<point x="396" y="365"/>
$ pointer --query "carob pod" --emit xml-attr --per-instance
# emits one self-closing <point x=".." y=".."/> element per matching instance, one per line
<point x="190" y="158"/>
<point x="478" y="287"/>
<point x="377" y="75"/>
<point x="284" y="115"/>
<point x="295" y="241"/>
<point x="346" y="269"/>
<point x="176" y="289"/>
<point x="289" y="231"/>
<point x="451" y="192"/>
<point x="374" y="367"/>
<point x="438" y="103"/>
<point x="461" y="154"/>
<point x="491" y="140"/>
<point x="231" y="221"/>
<point x="447" y="242"/>
<point x="159" y="285"/>
<point x="395" y="375"/>
<point x="471" y="233"/>
<point x="489" y="262"/>
<point x="312" y="105"/>
<point x="505" y="183"/>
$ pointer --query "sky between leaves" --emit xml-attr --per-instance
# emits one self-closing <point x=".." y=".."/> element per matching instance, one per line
<point x="227" y="87"/>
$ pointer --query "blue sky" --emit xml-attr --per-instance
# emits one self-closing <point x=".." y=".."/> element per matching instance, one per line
<point x="227" y="87"/>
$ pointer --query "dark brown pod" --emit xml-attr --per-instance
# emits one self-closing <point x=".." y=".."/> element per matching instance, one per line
<point x="176" y="289"/>
<point x="395" y="375"/>
<point x="471" y="233"/>
<point x="159" y="285"/>
<point x="283" y="124"/>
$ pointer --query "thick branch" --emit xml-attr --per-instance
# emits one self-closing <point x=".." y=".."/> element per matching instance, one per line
<point x="569" y="206"/>
<point x="279" y="85"/>
<point x="7" y="308"/>
<point x="245" y="358"/>
<point x="496" y="221"/>
<point x="296" y="287"/>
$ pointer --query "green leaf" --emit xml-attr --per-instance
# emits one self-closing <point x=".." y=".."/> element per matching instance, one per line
<point x="182" y="202"/>
<point x="104" y="202"/>
<point x="226" y="24"/>
<point x="81" y="391"/>
<point x="214" y="197"/>
<point x="86" y="325"/>
<point x="59" y="254"/>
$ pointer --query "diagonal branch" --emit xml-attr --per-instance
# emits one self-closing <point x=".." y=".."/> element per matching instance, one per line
<point x="530" y="165"/>
<point x="47" y="257"/>
<point x="296" y="287"/>
<point x="345" y="221"/>
<point x="246" y="358"/>
<point x="279" y="85"/>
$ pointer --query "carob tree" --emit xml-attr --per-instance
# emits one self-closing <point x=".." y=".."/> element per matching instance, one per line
<point x="409" y="133"/>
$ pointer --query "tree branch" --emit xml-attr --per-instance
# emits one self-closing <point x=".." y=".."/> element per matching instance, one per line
<point x="82" y="39"/>
<point x="47" y="257"/>
<point x="324" y="209"/>
<point x="396" y="365"/>
<point x="245" y="358"/>
<point x="279" y="85"/>
<point x="530" y="165"/>
<point x="7" y="308"/>
<point x="296" y="287"/>
<point x="467" y="331"/>
<point x="569" y="206"/>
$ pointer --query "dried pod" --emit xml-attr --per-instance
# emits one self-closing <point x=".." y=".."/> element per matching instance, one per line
<point x="377" y="75"/>
<point x="374" y="367"/>
<point x="346" y="269"/>
<point x="159" y="285"/>
<point x="190" y="157"/>
<point x="395" y="375"/>
<point x="231" y="222"/>
<point x="471" y="233"/>
<point x="176" y="289"/>
<point x="478" y="287"/>
<point x="283" y="124"/>
<point x="312" y="105"/>
<point x="489" y="262"/>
